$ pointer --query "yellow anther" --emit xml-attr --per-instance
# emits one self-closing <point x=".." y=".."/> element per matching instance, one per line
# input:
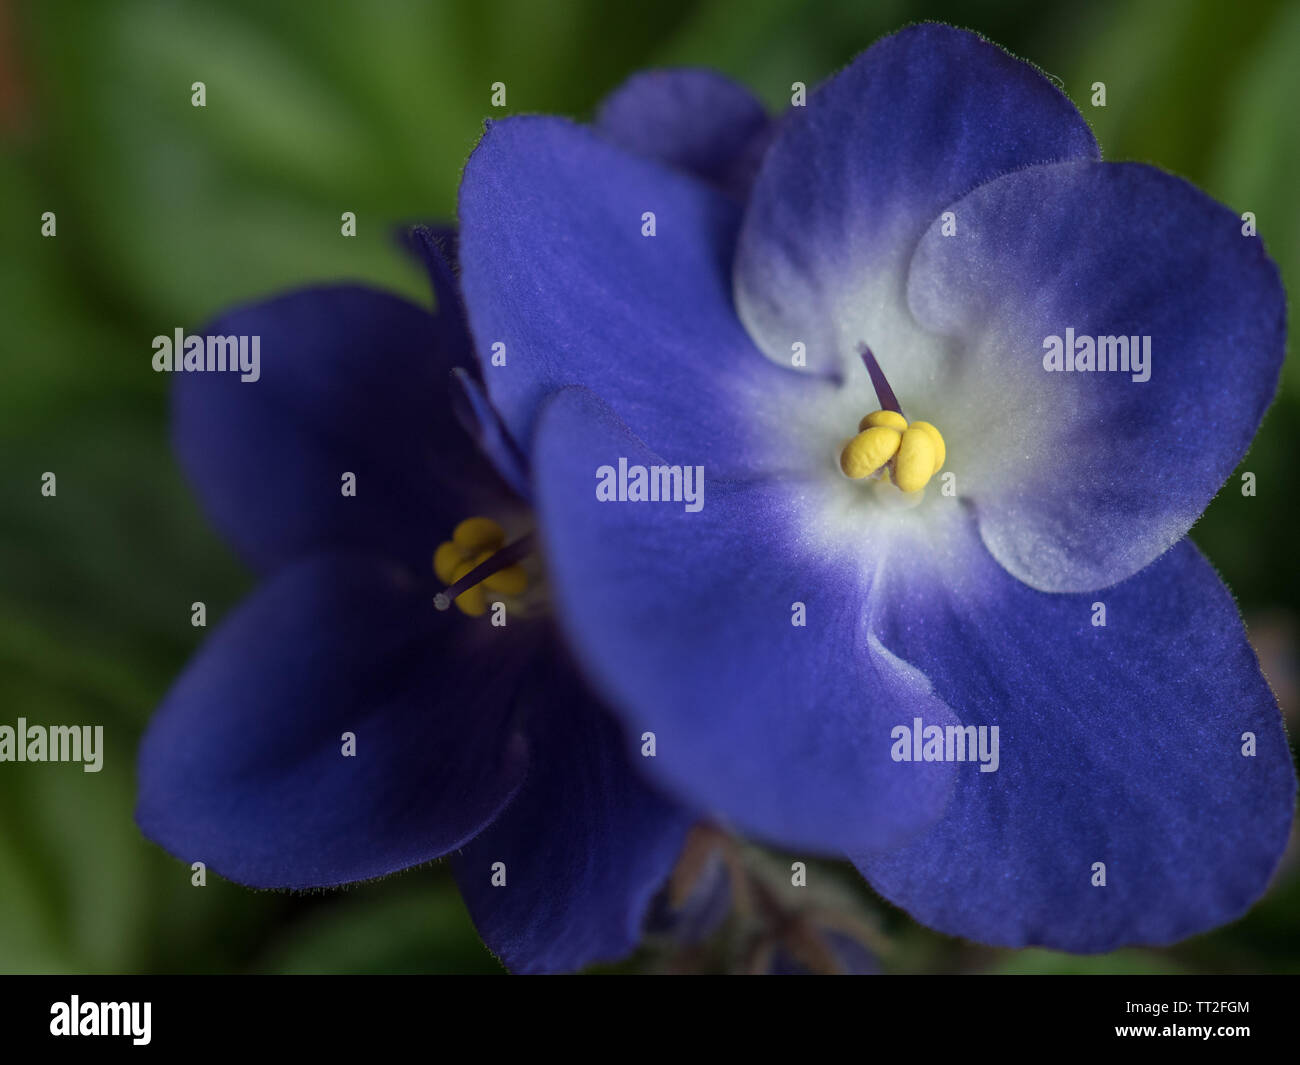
<point x="888" y="419"/>
<point x="472" y="600"/>
<point x="936" y="441"/>
<point x="455" y="557"/>
<point x="915" y="462"/>
<point x="476" y="535"/>
<point x="445" y="560"/>
<point x="512" y="580"/>
<point x="869" y="450"/>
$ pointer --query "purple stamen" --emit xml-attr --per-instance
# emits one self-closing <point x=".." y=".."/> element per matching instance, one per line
<point x="507" y="556"/>
<point x="885" y="394"/>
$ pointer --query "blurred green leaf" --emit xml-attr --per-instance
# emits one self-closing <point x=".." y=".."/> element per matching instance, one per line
<point x="1036" y="962"/>
<point x="169" y="213"/>
<point x="1257" y="157"/>
<point x="1167" y="66"/>
<point x="415" y="923"/>
<point x="68" y="848"/>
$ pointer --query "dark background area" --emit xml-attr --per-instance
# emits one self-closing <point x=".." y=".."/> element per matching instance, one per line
<point x="167" y="213"/>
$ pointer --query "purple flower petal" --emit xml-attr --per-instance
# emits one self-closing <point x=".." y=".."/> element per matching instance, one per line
<point x="586" y="844"/>
<point x="436" y="248"/>
<point x="1119" y="744"/>
<point x="686" y="620"/>
<point x="854" y="178"/>
<point x="243" y="766"/>
<point x="695" y="120"/>
<point x="1080" y="478"/>
<point x="556" y="269"/>
<point x="480" y="420"/>
<point x="352" y="381"/>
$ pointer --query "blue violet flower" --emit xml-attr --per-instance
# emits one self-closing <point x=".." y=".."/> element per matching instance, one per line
<point x="977" y="656"/>
<point x="339" y="727"/>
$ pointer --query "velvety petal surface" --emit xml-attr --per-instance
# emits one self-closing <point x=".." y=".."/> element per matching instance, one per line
<point x="853" y="179"/>
<point x="556" y="269"/>
<point x="1080" y="478"/>
<point x="1119" y="744"/>
<point x="687" y="621"/>
<point x="696" y="120"/>
<point x="586" y="844"/>
<point x="352" y="381"/>
<point x="243" y="766"/>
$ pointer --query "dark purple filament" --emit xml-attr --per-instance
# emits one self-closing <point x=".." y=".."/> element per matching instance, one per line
<point x="888" y="401"/>
<point x="507" y="556"/>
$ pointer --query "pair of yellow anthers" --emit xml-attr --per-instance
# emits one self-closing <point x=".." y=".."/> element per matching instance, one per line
<point x="907" y="454"/>
<point x="472" y="543"/>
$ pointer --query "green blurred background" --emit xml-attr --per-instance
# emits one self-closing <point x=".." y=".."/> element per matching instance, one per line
<point x="168" y="213"/>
